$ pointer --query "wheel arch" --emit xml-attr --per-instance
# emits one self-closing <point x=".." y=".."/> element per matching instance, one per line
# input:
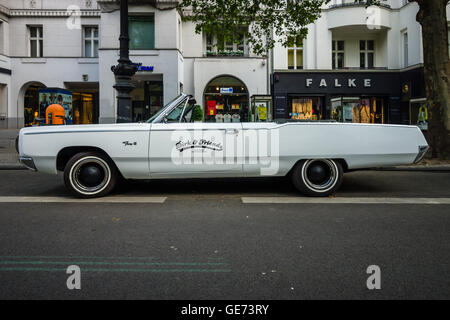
<point x="65" y="154"/>
<point x="340" y="160"/>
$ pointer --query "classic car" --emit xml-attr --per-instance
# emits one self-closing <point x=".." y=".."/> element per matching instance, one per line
<point x="172" y="144"/>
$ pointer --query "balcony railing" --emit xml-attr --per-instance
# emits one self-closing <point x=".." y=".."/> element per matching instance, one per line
<point x="238" y="53"/>
<point x="356" y="4"/>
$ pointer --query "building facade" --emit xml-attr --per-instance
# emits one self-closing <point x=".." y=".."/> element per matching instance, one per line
<point x="357" y="64"/>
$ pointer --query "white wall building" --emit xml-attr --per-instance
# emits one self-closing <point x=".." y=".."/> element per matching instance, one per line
<point x="59" y="47"/>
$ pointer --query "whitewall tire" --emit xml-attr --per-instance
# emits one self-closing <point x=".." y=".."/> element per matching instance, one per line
<point x="90" y="175"/>
<point x="317" y="177"/>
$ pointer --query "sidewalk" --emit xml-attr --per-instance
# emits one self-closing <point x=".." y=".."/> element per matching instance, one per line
<point x="9" y="159"/>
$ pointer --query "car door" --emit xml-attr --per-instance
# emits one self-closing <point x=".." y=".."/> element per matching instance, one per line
<point x="183" y="149"/>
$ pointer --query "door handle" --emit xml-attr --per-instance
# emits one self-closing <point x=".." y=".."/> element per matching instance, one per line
<point x="231" y="131"/>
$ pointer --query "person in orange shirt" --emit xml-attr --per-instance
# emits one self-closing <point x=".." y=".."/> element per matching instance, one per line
<point x="55" y="115"/>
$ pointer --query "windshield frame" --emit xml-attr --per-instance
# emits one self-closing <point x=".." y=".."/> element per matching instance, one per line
<point x="161" y="114"/>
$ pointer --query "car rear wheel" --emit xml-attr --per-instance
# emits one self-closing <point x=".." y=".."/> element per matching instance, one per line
<point x="318" y="177"/>
<point x="90" y="175"/>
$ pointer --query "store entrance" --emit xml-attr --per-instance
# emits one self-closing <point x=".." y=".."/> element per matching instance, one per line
<point x="227" y="100"/>
<point x="147" y="99"/>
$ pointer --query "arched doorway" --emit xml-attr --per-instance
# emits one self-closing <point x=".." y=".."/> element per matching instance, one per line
<point x="226" y="100"/>
<point x="32" y="110"/>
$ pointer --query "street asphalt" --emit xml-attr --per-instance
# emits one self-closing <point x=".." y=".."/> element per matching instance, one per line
<point x="203" y="242"/>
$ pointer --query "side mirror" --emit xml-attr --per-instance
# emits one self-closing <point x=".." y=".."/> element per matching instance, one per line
<point x="192" y="101"/>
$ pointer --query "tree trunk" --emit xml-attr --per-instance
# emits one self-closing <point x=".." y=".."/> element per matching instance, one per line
<point x="433" y="19"/>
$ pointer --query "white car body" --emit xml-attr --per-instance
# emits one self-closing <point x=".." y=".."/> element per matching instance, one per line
<point x="147" y="150"/>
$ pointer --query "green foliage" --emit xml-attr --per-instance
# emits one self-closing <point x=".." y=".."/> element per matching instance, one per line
<point x="197" y="113"/>
<point x="264" y="21"/>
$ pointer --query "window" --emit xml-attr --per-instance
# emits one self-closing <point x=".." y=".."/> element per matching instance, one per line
<point x="405" y="49"/>
<point x="36" y="42"/>
<point x="217" y="46"/>
<point x="366" y="54"/>
<point x="338" y="54"/>
<point x="142" y="32"/>
<point x="90" y="42"/>
<point x="295" y="53"/>
<point x="180" y="36"/>
<point x="2" y="37"/>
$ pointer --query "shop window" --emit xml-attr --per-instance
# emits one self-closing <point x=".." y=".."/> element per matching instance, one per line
<point x="338" y="51"/>
<point x="217" y="46"/>
<point x="357" y="109"/>
<point x="90" y="42"/>
<point x="419" y="113"/>
<point x="36" y="48"/>
<point x="367" y="54"/>
<point x="2" y="37"/>
<point x="142" y="32"/>
<point x="83" y="108"/>
<point x="295" y="53"/>
<point x="227" y="100"/>
<point x="147" y="99"/>
<point x="306" y="108"/>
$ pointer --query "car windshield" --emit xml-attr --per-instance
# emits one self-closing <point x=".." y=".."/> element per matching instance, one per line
<point x="163" y="109"/>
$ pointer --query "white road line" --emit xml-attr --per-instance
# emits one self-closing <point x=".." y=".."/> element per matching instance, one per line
<point x="295" y="200"/>
<point x="75" y="200"/>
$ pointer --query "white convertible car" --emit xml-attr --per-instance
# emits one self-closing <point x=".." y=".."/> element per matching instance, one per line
<point x="170" y="145"/>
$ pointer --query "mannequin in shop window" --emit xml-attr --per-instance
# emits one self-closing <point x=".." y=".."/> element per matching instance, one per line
<point x="219" y="117"/>
<point x="227" y="117"/>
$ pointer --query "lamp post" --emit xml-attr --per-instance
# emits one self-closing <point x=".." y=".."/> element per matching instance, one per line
<point x="124" y="70"/>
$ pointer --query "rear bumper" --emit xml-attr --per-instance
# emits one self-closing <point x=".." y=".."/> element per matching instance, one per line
<point x="28" y="162"/>
<point x="422" y="151"/>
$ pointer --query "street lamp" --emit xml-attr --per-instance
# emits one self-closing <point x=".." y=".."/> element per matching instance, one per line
<point x="124" y="70"/>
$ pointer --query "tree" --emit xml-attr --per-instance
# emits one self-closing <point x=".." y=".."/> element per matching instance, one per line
<point x="432" y="16"/>
<point x="256" y="20"/>
<point x="287" y="20"/>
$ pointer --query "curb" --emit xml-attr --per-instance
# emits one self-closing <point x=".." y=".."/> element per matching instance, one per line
<point x="437" y="168"/>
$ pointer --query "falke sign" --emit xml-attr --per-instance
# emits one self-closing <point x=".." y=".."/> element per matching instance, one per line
<point x="338" y="83"/>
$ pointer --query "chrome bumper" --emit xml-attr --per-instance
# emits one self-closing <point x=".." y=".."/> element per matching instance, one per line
<point x="28" y="162"/>
<point x="422" y="151"/>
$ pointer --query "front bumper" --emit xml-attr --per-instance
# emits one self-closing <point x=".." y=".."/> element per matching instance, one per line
<point x="28" y="162"/>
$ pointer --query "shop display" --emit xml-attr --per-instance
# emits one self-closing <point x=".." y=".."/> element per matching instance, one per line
<point x="50" y="96"/>
<point x="306" y="108"/>
<point x="261" y="110"/>
<point x="211" y="108"/>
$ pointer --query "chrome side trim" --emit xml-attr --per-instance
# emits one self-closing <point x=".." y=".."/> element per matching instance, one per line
<point x="88" y="131"/>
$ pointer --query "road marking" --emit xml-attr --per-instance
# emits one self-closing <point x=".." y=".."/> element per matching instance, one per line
<point x="76" y="200"/>
<point x="300" y="200"/>
<point x="122" y="270"/>
<point x="101" y="263"/>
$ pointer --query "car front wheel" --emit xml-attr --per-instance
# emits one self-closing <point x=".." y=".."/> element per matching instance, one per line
<point x="90" y="175"/>
<point x="318" y="177"/>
